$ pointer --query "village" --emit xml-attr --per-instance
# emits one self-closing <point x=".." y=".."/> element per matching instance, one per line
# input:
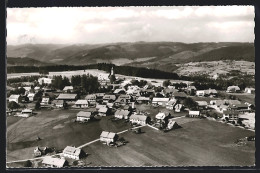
<point x="126" y="106"/>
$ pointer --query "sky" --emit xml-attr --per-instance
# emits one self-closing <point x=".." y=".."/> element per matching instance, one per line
<point x="94" y="25"/>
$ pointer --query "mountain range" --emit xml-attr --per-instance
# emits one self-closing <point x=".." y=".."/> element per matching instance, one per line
<point x="156" y="55"/>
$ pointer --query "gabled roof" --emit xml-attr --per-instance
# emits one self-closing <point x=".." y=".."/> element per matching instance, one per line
<point x="91" y="97"/>
<point x="68" y="88"/>
<point x="104" y="134"/>
<point x="194" y="112"/>
<point x="231" y="112"/>
<point x="138" y="117"/>
<point x="84" y="114"/>
<point x="111" y="135"/>
<point x="233" y="88"/>
<point x="13" y="96"/>
<point x="143" y="99"/>
<point x="233" y="102"/>
<point x="100" y="94"/>
<point x="238" y="106"/>
<point x="124" y="96"/>
<point x="57" y="102"/>
<point x="179" y="94"/>
<point x="58" y="162"/>
<point x="122" y="112"/>
<point x="72" y="151"/>
<point x="202" y="103"/>
<point x="103" y="110"/>
<point x="98" y="106"/>
<point x="157" y="99"/>
<point x="67" y="96"/>
<point x="81" y="102"/>
<point x="162" y="115"/>
<point x="121" y="100"/>
<point x="109" y="97"/>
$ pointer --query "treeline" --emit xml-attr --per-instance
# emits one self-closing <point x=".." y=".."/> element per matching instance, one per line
<point x="123" y="70"/>
<point x="22" y="79"/>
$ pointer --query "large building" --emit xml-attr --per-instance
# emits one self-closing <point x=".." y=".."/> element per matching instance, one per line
<point x="72" y="152"/>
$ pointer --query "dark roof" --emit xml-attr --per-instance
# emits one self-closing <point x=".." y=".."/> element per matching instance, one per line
<point x="179" y="94"/>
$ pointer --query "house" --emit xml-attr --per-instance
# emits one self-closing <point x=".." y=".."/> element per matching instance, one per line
<point x="147" y="92"/>
<point x="58" y="103"/>
<point x="233" y="89"/>
<point x="109" y="98"/>
<point x="31" y="96"/>
<point x="15" y="98"/>
<point x="233" y="102"/>
<point x="45" y="101"/>
<point x="205" y="93"/>
<point x="178" y="107"/>
<point x="81" y="104"/>
<point x="108" y="137"/>
<point x="84" y="116"/>
<point x="230" y="115"/>
<point x="172" y="124"/>
<point x="91" y="98"/>
<point x="54" y="162"/>
<point x="170" y="105"/>
<point x="98" y="106"/>
<point x="99" y="97"/>
<point x="39" y="151"/>
<point x="44" y="80"/>
<point x="67" y="97"/>
<point x="159" y="101"/>
<point x="239" y="107"/>
<point x="110" y="105"/>
<point x="122" y="114"/>
<point x="191" y="90"/>
<point x="122" y="100"/>
<point x="202" y="104"/>
<point x="143" y="100"/>
<point x="162" y="116"/>
<point x="250" y="90"/>
<point x="179" y="95"/>
<point x="194" y="114"/>
<point x="102" y="111"/>
<point x="217" y="102"/>
<point x="68" y="88"/>
<point x="72" y="152"/>
<point x="25" y="113"/>
<point x="119" y="91"/>
<point x="140" y="119"/>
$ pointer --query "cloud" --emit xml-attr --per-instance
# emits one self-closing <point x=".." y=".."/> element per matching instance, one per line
<point x="117" y="24"/>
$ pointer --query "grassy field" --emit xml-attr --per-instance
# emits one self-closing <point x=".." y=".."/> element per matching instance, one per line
<point x="244" y="97"/>
<point x="199" y="142"/>
<point x="56" y="128"/>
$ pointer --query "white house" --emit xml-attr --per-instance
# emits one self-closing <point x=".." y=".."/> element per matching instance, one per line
<point x="250" y="90"/>
<point x="141" y="100"/>
<point x="91" y="98"/>
<point x="162" y="115"/>
<point x="25" y="113"/>
<point x="108" y="137"/>
<point x="31" y="96"/>
<point x="138" y="119"/>
<point x="160" y="101"/>
<point x="122" y="114"/>
<point x="72" y="152"/>
<point x="67" y="88"/>
<point x="58" y="103"/>
<point x="230" y="115"/>
<point x="15" y="98"/>
<point x="54" y="162"/>
<point x="44" y="80"/>
<point x="170" y="105"/>
<point x="84" y="116"/>
<point x="233" y="89"/>
<point x="202" y="104"/>
<point x="67" y="97"/>
<point x="81" y="104"/>
<point x="45" y="101"/>
<point x="194" y="113"/>
<point x="102" y="111"/>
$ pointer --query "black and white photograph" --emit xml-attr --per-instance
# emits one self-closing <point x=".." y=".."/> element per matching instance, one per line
<point x="136" y="86"/>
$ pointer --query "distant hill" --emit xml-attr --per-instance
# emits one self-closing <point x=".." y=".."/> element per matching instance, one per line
<point x="25" y="62"/>
<point x="154" y="55"/>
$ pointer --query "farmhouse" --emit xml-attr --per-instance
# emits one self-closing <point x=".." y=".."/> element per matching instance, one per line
<point x="233" y="89"/>
<point x="102" y="111"/>
<point x="159" y="101"/>
<point x="202" y="104"/>
<point x="68" y="88"/>
<point x="31" y="96"/>
<point x="15" y="98"/>
<point x="240" y="107"/>
<point x="122" y="114"/>
<point x="45" y="101"/>
<point x="81" y="104"/>
<point x="91" y="98"/>
<point x="179" y="95"/>
<point x="44" y="80"/>
<point x="67" y="97"/>
<point x="250" y="90"/>
<point x="109" y="98"/>
<point x="209" y="92"/>
<point x="25" y="113"/>
<point x="138" y="119"/>
<point x="119" y="91"/>
<point x="162" y="116"/>
<point x="72" y="152"/>
<point x="230" y="115"/>
<point x="194" y="114"/>
<point x="58" y="103"/>
<point x="39" y="151"/>
<point x="178" y="107"/>
<point x="142" y="100"/>
<point x="172" y="124"/>
<point x="84" y="116"/>
<point x="54" y="162"/>
<point x="170" y="105"/>
<point x="108" y="137"/>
